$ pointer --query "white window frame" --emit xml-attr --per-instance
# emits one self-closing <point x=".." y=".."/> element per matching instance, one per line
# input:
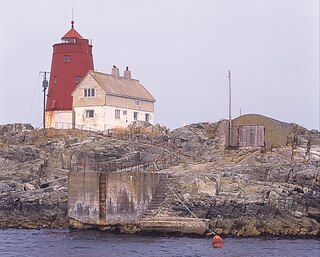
<point x="117" y="113"/>
<point x="135" y="115"/>
<point x="89" y="113"/>
<point x="147" y="117"/>
<point x="89" y="92"/>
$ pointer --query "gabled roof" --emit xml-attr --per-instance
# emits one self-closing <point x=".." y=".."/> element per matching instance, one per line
<point x="72" y="33"/>
<point x="120" y="86"/>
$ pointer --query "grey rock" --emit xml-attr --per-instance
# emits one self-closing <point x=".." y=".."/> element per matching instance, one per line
<point x="244" y="192"/>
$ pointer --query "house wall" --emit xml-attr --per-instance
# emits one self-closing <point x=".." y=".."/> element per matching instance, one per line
<point x="82" y="122"/>
<point x="104" y="107"/>
<point x="104" y="117"/>
<point x="78" y="94"/>
<point x="129" y="103"/>
<point x="276" y="132"/>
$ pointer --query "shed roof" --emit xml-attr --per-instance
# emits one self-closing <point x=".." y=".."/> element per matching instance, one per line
<point x="254" y="116"/>
<point x="120" y="86"/>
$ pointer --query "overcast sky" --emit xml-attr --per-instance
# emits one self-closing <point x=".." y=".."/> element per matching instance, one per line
<point x="180" y="50"/>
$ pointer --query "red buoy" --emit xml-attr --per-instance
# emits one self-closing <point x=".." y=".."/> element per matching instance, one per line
<point x="217" y="242"/>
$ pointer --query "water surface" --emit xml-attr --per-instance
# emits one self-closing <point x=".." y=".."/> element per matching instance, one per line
<point x="88" y="243"/>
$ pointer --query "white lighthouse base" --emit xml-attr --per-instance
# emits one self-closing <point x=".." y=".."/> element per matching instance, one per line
<point x="59" y="119"/>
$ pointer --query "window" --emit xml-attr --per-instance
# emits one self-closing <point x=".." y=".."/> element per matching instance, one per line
<point x="89" y="92"/>
<point x="135" y="116"/>
<point x="69" y="40"/>
<point x="77" y="79"/>
<point x="147" y="117"/>
<point x="136" y="102"/>
<point x="89" y="113"/>
<point x="66" y="58"/>
<point x="117" y="114"/>
<point x="55" y="80"/>
<point x="124" y="112"/>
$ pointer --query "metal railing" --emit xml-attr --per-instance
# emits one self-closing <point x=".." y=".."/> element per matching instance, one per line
<point x="112" y="166"/>
<point x="171" y="153"/>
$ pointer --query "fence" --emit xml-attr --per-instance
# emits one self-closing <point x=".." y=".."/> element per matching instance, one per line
<point x="65" y="125"/>
<point x="113" y="166"/>
<point x="171" y="152"/>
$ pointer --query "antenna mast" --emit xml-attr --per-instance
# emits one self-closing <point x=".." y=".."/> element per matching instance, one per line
<point x="44" y="89"/>
<point x="230" y="121"/>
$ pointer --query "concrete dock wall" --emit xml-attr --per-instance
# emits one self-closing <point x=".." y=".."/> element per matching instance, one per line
<point x="110" y="198"/>
<point x="83" y="196"/>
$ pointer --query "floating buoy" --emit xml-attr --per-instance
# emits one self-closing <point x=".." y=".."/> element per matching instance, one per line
<point x="217" y="242"/>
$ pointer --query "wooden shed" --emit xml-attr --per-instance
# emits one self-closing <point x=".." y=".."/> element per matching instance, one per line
<point x="254" y="130"/>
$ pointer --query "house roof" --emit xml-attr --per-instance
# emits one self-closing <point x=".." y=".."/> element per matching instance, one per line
<point x="72" y="33"/>
<point x="120" y="86"/>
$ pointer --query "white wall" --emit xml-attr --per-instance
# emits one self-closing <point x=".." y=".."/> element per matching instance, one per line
<point x="104" y="117"/>
<point x="59" y="119"/>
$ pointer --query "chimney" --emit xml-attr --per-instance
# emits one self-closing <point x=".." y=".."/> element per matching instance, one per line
<point x="115" y="71"/>
<point x="127" y="73"/>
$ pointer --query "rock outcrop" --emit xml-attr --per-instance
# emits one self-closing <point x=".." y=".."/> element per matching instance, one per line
<point x="251" y="192"/>
<point x="241" y="192"/>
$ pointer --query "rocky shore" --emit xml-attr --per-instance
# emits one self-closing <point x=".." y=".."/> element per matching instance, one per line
<point x="241" y="192"/>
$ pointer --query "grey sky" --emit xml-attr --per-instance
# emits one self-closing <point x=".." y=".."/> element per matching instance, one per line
<point x="180" y="50"/>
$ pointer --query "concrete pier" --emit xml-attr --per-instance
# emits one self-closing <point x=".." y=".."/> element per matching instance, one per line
<point x="110" y="198"/>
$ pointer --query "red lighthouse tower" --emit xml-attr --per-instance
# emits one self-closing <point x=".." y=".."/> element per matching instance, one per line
<point x="71" y="60"/>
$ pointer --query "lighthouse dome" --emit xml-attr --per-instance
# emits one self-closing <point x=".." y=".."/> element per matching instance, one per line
<point x="72" y="35"/>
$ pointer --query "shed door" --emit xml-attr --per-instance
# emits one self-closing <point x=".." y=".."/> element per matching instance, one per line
<point x="251" y="136"/>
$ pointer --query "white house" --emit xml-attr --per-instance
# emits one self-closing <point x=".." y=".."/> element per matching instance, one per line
<point x="106" y="101"/>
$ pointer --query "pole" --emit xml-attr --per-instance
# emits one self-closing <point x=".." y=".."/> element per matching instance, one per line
<point x="44" y="89"/>
<point x="230" y="121"/>
<point x="44" y="102"/>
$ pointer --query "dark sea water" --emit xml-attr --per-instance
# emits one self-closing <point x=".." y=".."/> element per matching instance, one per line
<point x="14" y="242"/>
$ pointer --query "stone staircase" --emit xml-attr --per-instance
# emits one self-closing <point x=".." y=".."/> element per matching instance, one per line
<point x="159" y="216"/>
<point x="162" y="198"/>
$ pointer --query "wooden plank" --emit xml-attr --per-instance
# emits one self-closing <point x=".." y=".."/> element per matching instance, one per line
<point x="251" y="136"/>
